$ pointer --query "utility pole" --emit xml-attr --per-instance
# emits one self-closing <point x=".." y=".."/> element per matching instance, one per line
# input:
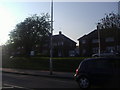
<point x="99" y="46"/>
<point x="51" y="37"/>
<point x="119" y="7"/>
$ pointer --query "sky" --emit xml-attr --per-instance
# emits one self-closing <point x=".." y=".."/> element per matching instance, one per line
<point x="74" y="19"/>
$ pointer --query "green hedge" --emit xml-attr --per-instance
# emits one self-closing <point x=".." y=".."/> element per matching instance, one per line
<point x="68" y="64"/>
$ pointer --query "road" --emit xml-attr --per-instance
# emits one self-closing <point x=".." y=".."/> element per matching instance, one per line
<point x="31" y="82"/>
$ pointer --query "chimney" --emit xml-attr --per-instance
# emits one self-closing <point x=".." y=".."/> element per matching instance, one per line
<point x="60" y="32"/>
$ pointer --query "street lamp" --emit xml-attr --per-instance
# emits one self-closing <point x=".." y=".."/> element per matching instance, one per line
<point x="99" y="47"/>
<point x="51" y="37"/>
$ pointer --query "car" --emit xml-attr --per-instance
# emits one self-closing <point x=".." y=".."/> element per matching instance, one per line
<point x="106" y="55"/>
<point x="100" y="71"/>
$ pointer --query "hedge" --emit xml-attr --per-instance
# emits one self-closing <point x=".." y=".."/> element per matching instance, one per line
<point x="67" y="64"/>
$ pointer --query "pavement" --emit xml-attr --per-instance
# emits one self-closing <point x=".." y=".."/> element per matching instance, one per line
<point x="64" y="75"/>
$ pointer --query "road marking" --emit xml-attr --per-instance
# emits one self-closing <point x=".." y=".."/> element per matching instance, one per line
<point x="14" y="86"/>
<point x="65" y="81"/>
<point x="7" y="87"/>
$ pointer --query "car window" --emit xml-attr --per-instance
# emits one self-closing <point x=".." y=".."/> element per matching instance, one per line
<point x="88" y="65"/>
<point x="99" y="64"/>
<point x="106" y="65"/>
<point x="117" y="62"/>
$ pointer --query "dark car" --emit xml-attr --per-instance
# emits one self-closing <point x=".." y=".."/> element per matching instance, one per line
<point x="106" y="54"/>
<point x="101" y="71"/>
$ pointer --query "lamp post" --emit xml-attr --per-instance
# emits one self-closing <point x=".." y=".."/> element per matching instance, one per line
<point x="117" y="40"/>
<point x="99" y="46"/>
<point x="51" y="37"/>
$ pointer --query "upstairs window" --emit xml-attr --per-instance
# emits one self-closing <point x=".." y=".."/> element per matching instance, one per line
<point x="95" y="41"/>
<point x="60" y="43"/>
<point x="109" y="39"/>
<point x="83" y="41"/>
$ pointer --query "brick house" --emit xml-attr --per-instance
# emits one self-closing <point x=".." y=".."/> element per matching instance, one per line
<point x="109" y="42"/>
<point x="63" y="46"/>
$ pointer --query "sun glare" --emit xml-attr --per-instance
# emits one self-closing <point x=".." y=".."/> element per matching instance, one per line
<point x="6" y="24"/>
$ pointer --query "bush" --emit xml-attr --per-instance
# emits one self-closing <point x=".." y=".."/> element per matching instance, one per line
<point x="68" y="64"/>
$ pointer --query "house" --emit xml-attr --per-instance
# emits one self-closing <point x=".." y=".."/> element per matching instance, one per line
<point x="63" y="46"/>
<point x="109" y="42"/>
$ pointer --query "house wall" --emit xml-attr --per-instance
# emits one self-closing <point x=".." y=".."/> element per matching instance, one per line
<point x="109" y="39"/>
<point x="62" y="47"/>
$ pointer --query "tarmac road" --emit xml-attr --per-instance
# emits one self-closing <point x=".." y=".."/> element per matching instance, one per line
<point x="30" y="82"/>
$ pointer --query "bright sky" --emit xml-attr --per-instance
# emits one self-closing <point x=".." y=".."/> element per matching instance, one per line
<point x="74" y="19"/>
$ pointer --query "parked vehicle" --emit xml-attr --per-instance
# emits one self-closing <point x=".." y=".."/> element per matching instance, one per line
<point x="98" y="71"/>
<point x="106" y="55"/>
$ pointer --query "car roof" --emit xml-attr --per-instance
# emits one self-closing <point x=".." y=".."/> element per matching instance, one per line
<point x="102" y="58"/>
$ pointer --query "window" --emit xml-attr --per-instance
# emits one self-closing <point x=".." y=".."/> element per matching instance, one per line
<point x="118" y="65"/>
<point x="104" y="65"/>
<point x="109" y="39"/>
<point x="54" y="44"/>
<point x="71" y="53"/>
<point x="83" y="41"/>
<point x="118" y="47"/>
<point x="95" y="41"/>
<point x="60" y="43"/>
<point x="110" y="49"/>
<point x="95" y="50"/>
<point x="84" y="51"/>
